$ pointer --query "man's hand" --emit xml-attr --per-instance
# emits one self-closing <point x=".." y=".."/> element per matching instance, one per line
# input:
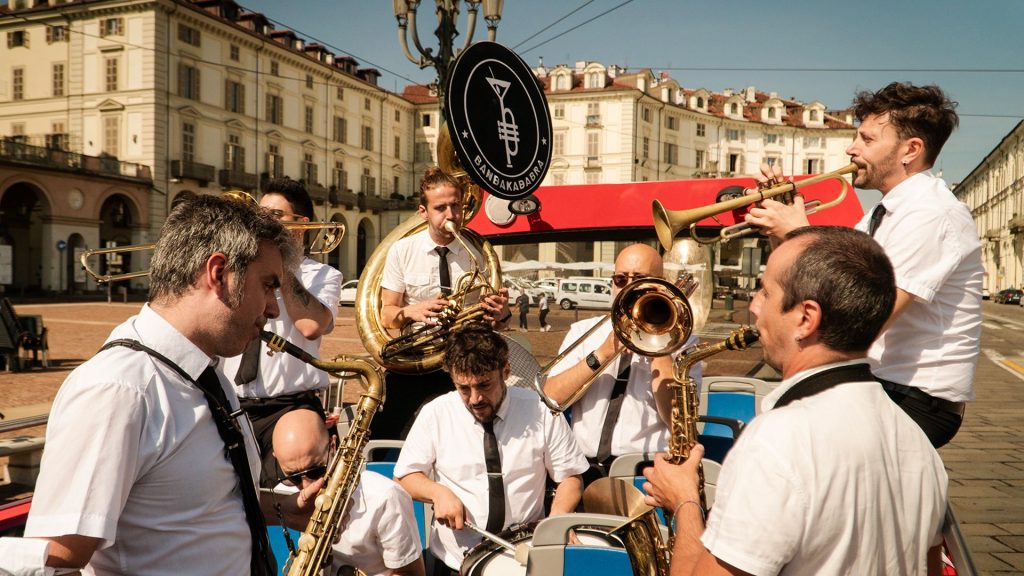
<point x="305" y="498"/>
<point x="669" y="484"/>
<point x="611" y="347"/>
<point x="448" y="509"/>
<point x="426" y="311"/>
<point x="776" y="219"/>
<point x="496" y="306"/>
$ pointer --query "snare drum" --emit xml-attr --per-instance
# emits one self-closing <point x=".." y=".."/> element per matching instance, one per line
<point x="489" y="559"/>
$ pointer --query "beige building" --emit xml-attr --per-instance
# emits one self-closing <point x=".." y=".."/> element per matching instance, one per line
<point x="123" y="107"/>
<point x="994" y="192"/>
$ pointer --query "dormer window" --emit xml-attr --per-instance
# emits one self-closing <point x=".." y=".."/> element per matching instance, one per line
<point x="700" y="102"/>
<point x="562" y="82"/>
<point x="734" y="108"/>
<point x="813" y="116"/>
<point x="771" y="113"/>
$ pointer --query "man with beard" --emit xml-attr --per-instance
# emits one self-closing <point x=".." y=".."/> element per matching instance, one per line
<point x="832" y="478"/>
<point x="927" y="352"/>
<point x="489" y="448"/>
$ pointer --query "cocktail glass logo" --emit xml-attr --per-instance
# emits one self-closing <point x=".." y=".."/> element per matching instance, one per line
<point x="508" y="130"/>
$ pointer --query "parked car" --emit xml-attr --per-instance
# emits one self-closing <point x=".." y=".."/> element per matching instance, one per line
<point x="985" y="294"/>
<point x="1008" y="296"/>
<point x="584" y="293"/>
<point x="348" y="293"/>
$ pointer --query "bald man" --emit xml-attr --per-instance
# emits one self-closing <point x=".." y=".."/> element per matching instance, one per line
<point x="379" y="534"/>
<point x="632" y="389"/>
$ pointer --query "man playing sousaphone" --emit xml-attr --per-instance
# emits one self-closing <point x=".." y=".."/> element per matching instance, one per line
<point x="419" y="272"/>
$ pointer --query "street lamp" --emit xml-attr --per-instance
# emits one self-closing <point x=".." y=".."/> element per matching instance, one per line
<point x="447" y="17"/>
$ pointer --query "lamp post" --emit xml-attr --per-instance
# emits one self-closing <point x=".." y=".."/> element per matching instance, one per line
<point x="447" y="18"/>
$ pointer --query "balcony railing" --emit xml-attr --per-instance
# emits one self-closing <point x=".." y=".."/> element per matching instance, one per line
<point x="238" y="179"/>
<point x="593" y="120"/>
<point x="1016" y="225"/>
<point x="317" y="192"/>
<point x="345" y="198"/>
<point x="993" y="233"/>
<point x="593" y="162"/>
<point x="203" y="173"/>
<point x="42" y="157"/>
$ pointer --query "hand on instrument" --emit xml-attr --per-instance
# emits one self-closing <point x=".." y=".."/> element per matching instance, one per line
<point x="496" y="305"/>
<point x="305" y="497"/>
<point x="776" y="219"/>
<point x="448" y="509"/>
<point x="609" y="348"/>
<point x="669" y="484"/>
<point x="426" y="311"/>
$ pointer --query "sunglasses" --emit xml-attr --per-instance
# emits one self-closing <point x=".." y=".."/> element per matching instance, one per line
<point x="279" y="214"/>
<point x="312" y="474"/>
<point x="620" y="279"/>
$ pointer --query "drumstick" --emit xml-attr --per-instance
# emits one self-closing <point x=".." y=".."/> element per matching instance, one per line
<point x="493" y="538"/>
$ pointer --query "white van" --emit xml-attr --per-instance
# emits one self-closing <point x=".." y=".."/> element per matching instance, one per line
<point x="584" y="293"/>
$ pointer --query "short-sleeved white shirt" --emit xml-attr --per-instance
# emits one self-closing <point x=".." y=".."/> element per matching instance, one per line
<point x="447" y="443"/>
<point x="281" y="373"/>
<point x="412" y="267"/>
<point x="931" y="239"/>
<point x="841" y="482"/>
<point x="133" y="458"/>
<point x="640" y="428"/>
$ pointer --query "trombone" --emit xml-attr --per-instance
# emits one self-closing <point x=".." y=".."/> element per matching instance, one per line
<point x="327" y="238"/>
<point x="668" y="223"/>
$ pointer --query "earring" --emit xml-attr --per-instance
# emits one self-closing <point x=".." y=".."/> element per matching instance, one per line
<point x="904" y="163"/>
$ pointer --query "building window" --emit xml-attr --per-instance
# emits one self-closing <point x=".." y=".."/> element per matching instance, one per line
<point x="396" y="185"/>
<point x="368" y="137"/>
<point x="645" y="114"/>
<point x="339" y="176"/>
<point x="426" y="120"/>
<point x="813" y="115"/>
<point x="275" y="68"/>
<point x="734" y="108"/>
<point x="234" y="96"/>
<point x="733" y="134"/>
<point x="560" y="111"/>
<point x="701" y="130"/>
<point x="593" y="146"/>
<point x="558" y="144"/>
<point x="670" y="122"/>
<point x="111" y="135"/>
<point x="233" y="53"/>
<point x="275" y="162"/>
<point x="558" y="178"/>
<point x="773" y="161"/>
<point x="423" y="151"/>
<point x="645" y="150"/>
<point x="398" y="147"/>
<point x="18" y="84"/>
<point x="698" y="159"/>
<point x="368" y="184"/>
<point x="771" y="138"/>
<point x="188" y="81"/>
<point x="562" y="82"/>
<point x="700" y="102"/>
<point x="593" y="113"/>
<point x="188" y="142"/>
<point x="398" y="116"/>
<point x="366" y="103"/>
<point x="57" y="139"/>
<point x="111" y="75"/>
<point x="671" y="155"/>
<point x="812" y="142"/>
<point x="234" y="154"/>
<point x="340" y="128"/>
<point x="812" y="166"/>
<point x="309" y="119"/>
<point x="17" y="38"/>
<point x="592" y="178"/>
<point x="340" y="92"/>
<point x="309" y="168"/>
<point x="188" y="35"/>
<point x="734" y="163"/>
<point x="275" y="109"/>
<point x="111" y="27"/>
<point x="58" y="79"/>
<point x="56" y="34"/>
<point x="309" y="81"/>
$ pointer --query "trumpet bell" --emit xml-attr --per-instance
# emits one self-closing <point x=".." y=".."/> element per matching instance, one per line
<point x="652" y="316"/>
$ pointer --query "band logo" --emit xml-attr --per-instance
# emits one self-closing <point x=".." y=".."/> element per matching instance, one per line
<point x="498" y="119"/>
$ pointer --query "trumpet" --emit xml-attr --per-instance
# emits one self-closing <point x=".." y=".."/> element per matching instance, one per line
<point x="668" y="223"/>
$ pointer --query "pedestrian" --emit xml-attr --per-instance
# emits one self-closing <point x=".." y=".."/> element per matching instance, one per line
<point x="543" y="304"/>
<point x="523" y="301"/>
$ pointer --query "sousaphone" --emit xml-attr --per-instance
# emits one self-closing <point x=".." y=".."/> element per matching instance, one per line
<point x="497" y="113"/>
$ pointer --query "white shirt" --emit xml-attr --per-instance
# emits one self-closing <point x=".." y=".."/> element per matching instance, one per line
<point x="281" y="373"/>
<point x="133" y="458"/>
<point x="932" y="242"/>
<point x="412" y="267"/>
<point x="379" y="531"/>
<point x="841" y="482"/>
<point x="447" y="443"/>
<point x="641" y="428"/>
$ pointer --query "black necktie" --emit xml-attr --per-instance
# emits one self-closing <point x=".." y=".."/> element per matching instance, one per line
<point x="249" y="367"/>
<point x="495" y="485"/>
<point x="442" y="268"/>
<point x="262" y="560"/>
<point x="604" y="447"/>
<point x="876" y="218"/>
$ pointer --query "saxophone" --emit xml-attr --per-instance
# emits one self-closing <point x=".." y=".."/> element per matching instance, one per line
<point x="314" y="546"/>
<point x="685" y="400"/>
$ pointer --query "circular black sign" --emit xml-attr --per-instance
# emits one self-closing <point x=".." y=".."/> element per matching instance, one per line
<point x="499" y="121"/>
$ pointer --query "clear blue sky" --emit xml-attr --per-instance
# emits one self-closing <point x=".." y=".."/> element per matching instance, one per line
<point x="810" y="50"/>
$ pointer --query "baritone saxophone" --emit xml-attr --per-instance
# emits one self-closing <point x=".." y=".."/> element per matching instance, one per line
<point x="330" y="505"/>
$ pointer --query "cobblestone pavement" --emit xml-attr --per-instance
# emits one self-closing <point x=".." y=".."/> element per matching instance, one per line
<point x="985" y="461"/>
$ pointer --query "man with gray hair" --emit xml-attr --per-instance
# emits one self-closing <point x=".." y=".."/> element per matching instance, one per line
<point x="149" y="467"/>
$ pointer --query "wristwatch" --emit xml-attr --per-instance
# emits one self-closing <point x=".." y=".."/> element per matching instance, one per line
<point x="593" y="362"/>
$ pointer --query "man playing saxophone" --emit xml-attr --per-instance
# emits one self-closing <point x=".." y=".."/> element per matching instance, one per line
<point x="628" y="407"/>
<point x="378" y="534"/>
<point x="833" y="478"/>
